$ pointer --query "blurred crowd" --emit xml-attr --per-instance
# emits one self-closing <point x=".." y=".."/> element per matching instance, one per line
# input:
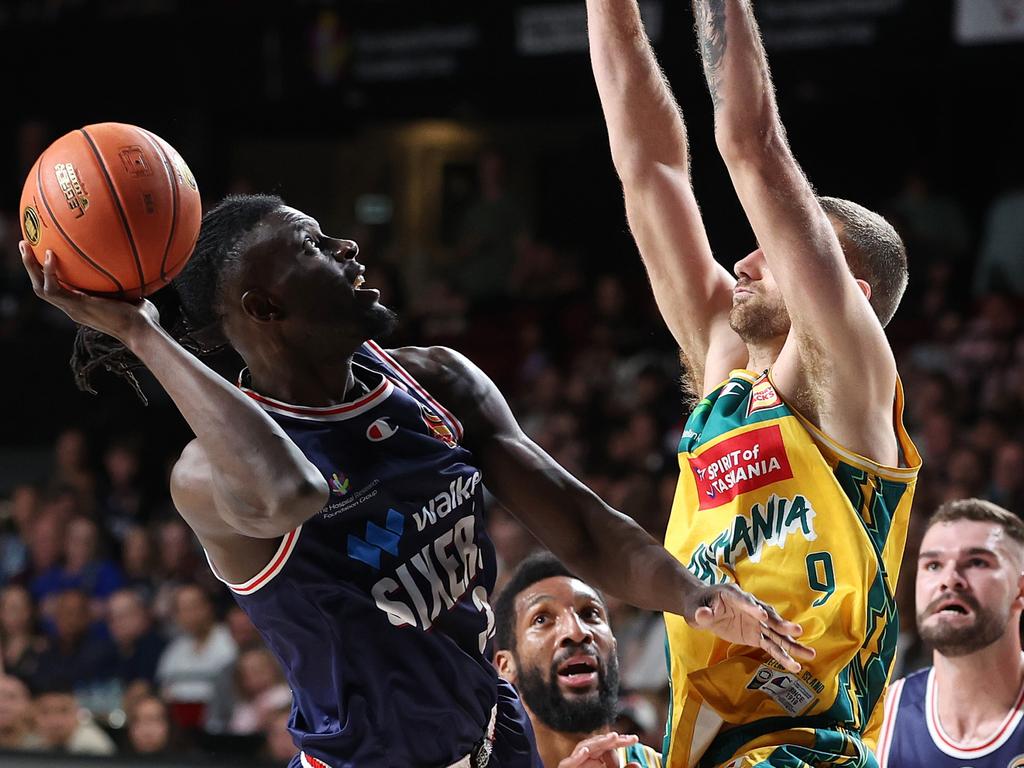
<point x="116" y="638"/>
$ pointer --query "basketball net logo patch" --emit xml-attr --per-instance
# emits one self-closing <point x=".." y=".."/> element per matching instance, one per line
<point x="437" y="427"/>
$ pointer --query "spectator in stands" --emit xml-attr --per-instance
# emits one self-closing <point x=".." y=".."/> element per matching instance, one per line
<point x="20" y="640"/>
<point x="149" y="727"/>
<point x="139" y="644"/>
<point x="71" y="465"/>
<point x="46" y="547"/>
<point x="121" y="506"/>
<point x="83" y="568"/>
<point x="260" y="690"/>
<point x="190" y="664"/>
<point x="1000" y="264"/>
<point x="1007" y="485"/>
<point x="139" y="562"/>
<point x="242" y="630"/>
<point x="63" y="725"/>
<point x="16" y="731"/>
<point x="82" y="653"/>
<point x="24" y="506"/>
<point x="279" y="747"/>
<point x="178" y="564"/>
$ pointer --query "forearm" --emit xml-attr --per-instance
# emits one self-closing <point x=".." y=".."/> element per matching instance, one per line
<point x="736" y="70"/>
<point x="253" y="461"/>
<point x="643" y="119"/>
<point x="625" y="561"/>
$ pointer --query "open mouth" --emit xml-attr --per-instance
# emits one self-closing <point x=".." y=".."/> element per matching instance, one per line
<point x="951" y="608"/>
<point x="358" y="281"/>
<point x="578" y="671"/>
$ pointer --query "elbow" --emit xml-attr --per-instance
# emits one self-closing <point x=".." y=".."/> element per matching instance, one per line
<point x="749" y="141"/>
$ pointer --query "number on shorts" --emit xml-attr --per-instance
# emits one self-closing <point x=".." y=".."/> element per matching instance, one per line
<point x="480" y="601"/>
<point x="821" y="576"/>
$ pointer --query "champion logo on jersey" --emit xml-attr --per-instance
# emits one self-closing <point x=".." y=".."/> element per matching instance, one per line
<point x="380" y="430"/>
<point x="339" y="484"/>
<point x="437" y="427"/>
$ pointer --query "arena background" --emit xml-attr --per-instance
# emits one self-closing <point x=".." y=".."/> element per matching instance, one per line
<point x="462" y="146"/>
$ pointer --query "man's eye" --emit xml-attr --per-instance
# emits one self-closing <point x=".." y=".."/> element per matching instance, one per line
<point x="539" y="619"/>
<point x="309" y="242"/>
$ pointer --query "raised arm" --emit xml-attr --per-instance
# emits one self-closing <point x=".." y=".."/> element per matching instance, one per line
<point x="601" y="545"/>
<point x="242" y="476"/>
<point x="830" y="314"/>
<point x="650" y="152"/>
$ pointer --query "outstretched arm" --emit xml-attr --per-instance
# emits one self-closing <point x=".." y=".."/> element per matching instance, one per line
<point x="601" y="545"/>
<point x="242" y="474"/>
<point x="830" y="315"/>
<point x="650" y="152"/>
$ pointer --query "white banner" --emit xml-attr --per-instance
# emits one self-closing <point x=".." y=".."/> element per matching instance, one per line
<point x="543" y="30"/>
<point x="989" y="21"/>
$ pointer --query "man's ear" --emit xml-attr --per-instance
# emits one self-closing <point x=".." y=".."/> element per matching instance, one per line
<point x="505" y="663"/>
<point x="260" y="306"/>
<point x="865" y="288"/>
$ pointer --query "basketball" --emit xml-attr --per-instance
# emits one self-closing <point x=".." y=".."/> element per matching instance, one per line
<point x="118" y="207"/>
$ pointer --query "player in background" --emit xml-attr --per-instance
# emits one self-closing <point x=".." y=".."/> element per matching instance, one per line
<point x="968" y="709"/>
<point x="796" y="473"/>
<point x="553" y="642"/>
<point x="342" y="502"/>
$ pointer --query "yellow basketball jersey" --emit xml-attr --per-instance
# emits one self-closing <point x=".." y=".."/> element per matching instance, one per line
<point x="768" y="501"/>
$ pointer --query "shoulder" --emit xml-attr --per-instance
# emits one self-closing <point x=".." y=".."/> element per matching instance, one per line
<point x="432" y="361"/>
<point x="447" y="373"/>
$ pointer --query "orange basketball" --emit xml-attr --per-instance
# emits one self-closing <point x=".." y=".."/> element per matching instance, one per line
<point x="117" y="206"/>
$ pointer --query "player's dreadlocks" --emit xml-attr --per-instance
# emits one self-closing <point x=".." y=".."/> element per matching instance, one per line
<point x="190" y="307"/>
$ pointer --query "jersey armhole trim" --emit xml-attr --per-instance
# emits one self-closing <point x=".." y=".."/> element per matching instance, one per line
<point x="906" y="447"/>
<point x="891" y="708"/>
<point x="409" y="380"/>
<point x="268" y="572"/>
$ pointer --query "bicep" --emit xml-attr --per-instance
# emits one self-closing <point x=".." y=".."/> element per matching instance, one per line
<point x="692" y="290"/>
<point x="826" y="306"/>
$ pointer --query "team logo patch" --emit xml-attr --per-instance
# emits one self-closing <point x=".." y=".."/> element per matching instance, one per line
<point x="437" y="427"/>
<point x="339" y="484"/>
<point x="380" y="430"/>
<point x="763" y="396"/>
<point x="30" y="223"/>
<point x="739" y="465"/>
<point x="783" y="688"/>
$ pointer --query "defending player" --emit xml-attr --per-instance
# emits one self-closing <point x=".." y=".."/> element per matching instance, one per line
<point x="796" y="472"/>
<point x="968" y="709"/>
<point x="553" y="642"/>
<point x="342" y="502"/>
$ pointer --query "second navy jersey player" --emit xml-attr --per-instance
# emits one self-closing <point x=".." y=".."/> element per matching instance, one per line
<point x="912" y="735"/>
<point x="389" y="583"/>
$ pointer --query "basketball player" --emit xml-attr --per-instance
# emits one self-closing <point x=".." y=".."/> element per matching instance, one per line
<point x="553" y="642"/>
<point x="796" y="472"/>
<point x="337" y="495"/>
<point x="968" y="708"/>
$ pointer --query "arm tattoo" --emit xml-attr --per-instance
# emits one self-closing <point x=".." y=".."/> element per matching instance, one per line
<point x="710" y="16"/>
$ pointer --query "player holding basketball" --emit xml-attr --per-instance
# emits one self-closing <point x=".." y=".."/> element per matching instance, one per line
<point x="968" y="709"/>
<point x="342" y="503"/>
<point x="796" y="472"/>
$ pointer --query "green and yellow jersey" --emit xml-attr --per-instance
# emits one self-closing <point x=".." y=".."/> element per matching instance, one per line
<point x="768" y="501"/>
<point x="642" y="755"/>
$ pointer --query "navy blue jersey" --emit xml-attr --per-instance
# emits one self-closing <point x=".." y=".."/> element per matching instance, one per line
<point x="912" y="736"/>
<point x="377" y="607"/>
